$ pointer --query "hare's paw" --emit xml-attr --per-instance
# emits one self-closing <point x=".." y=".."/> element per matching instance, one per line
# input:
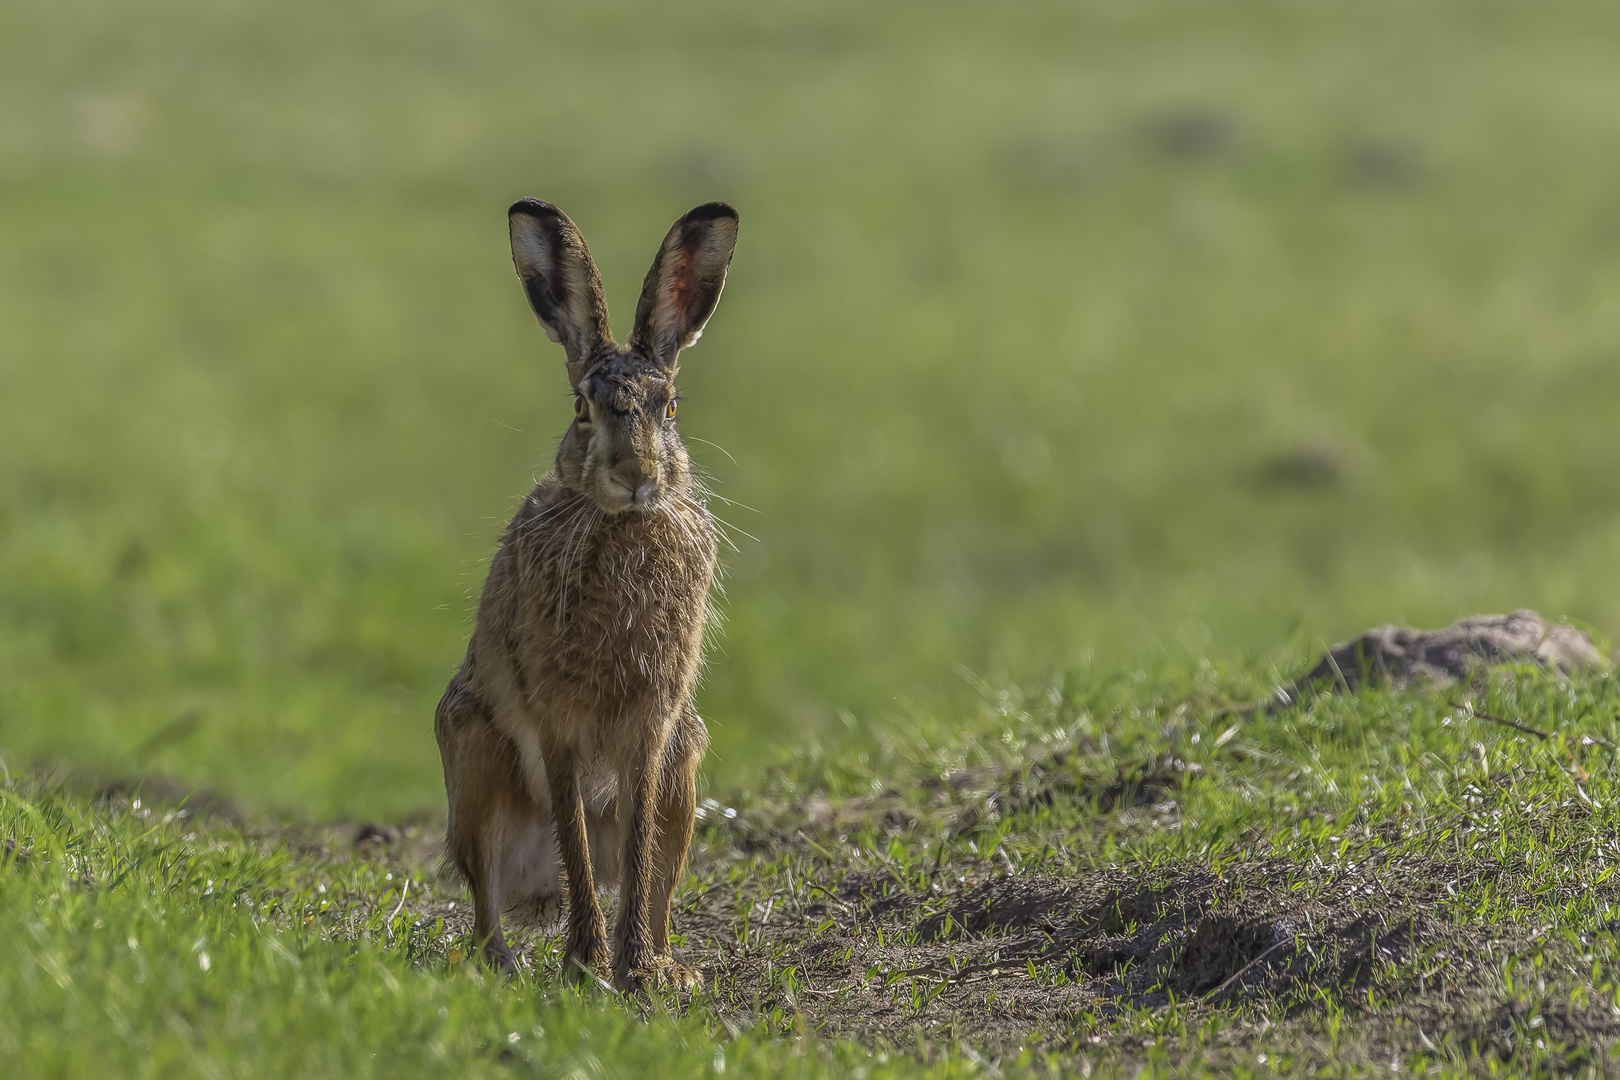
<point x="675" y="975"/>
<point x="499" y="955"/>
<point x="586" y="959"/>
<point x="657" y="973"/>
<point x="585" y="969"/>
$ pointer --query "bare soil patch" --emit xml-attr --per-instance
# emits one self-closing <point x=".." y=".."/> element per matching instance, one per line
<point x="1002" y="960"/>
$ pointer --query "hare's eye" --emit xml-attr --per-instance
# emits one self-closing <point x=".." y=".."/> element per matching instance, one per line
<point x="582" y="411"/>
<point x="669" y="410"/>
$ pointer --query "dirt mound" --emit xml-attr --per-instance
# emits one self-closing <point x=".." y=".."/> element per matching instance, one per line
<point x="992" y="960"/>
<point x="1401" y="656"/>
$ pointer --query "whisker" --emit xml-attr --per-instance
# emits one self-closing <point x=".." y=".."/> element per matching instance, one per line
<point x="720" y="532"/>
<point x="680" y="521"/>
<point x="732" y="502"/>
<point x="686" y="530"/>
<point x="709" y="493"/>
<point x="562" y="528"/>
<point x="578" y="521"/>
<point x="723" y="523"/>
<point x="717" y="446"/>
<point x="686" y="526"/>
<point x="571" y="552"/>
<point x="535" y="522"/>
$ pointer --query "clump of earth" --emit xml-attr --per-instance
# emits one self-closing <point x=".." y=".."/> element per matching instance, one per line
<point x="1401" y="656"/>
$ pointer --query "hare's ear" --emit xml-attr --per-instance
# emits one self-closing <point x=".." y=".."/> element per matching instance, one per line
<point x="684" y="283"/>
<point x="560" y="280"/>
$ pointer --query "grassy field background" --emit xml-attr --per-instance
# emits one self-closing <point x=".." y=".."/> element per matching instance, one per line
<point x="1135" y="336"/>
<point x="1083" y="368"/>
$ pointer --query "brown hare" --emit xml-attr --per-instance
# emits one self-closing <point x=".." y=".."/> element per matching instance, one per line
<point x="569" y="739"/>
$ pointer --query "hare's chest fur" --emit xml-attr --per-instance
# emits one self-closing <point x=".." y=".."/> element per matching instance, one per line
<point x="608" y="611"/>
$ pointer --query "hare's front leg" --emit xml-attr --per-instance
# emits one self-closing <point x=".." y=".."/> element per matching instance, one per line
<point x="587" y="930"/>
<point x="635" y="959"/>
<point x="677" y="815"/>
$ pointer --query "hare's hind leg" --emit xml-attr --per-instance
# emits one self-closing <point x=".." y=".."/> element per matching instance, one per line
<point x="587" y="930"/>
<point x="677" y="815"/>
<point x="487" y="804"/>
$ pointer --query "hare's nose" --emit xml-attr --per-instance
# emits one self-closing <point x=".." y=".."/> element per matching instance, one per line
<point x="646" y="493"/>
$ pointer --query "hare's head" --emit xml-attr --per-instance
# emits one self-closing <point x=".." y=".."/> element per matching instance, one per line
<point x="622" y="449"/>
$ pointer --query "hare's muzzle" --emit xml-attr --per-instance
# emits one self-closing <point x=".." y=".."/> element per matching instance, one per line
<point x="646" y="496"/>
<point x="635" y="486"/>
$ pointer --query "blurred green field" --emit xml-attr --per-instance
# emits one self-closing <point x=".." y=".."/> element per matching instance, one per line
<point x="1106" y="334"/>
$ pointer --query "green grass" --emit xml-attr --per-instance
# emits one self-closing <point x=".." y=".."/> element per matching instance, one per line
<point x="1132" y="349"/>
<point x="151" y="943"/>
<point x="138" y="947"/>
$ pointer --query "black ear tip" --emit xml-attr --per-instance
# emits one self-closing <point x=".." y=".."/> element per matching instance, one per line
<point x="533" y="208"/>
<point x="712" y="212"/>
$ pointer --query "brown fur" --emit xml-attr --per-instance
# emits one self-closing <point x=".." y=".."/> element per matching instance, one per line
<point x="569" y="740"/>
